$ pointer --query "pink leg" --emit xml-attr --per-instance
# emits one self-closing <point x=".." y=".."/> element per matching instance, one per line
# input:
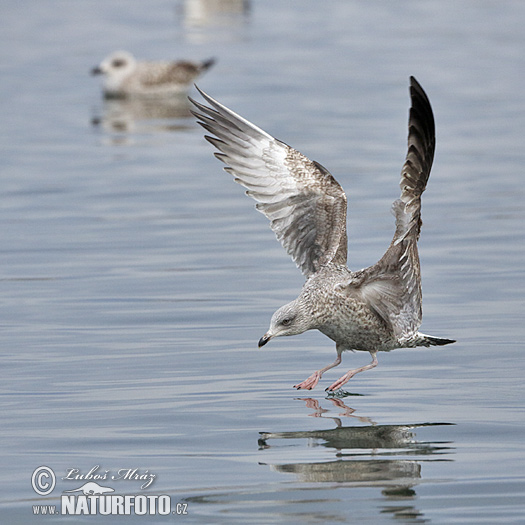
<point x="351" y="373"/>
<point x="310" y="383"/>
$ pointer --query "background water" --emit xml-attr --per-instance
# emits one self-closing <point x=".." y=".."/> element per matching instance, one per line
<point x="136" y="279"/>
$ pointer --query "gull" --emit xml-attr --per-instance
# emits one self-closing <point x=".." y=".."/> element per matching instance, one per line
<point x="376" y="309"/>
<point x="124" y="76"/>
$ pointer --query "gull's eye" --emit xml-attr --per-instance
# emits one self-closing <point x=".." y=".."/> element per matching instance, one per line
<point x="286" y="322"/>
<point x="118" y="62"/>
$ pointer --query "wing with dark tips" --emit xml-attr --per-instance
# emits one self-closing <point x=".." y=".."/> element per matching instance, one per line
<point x="418" y="162"/>
<point x="392" y="287"/>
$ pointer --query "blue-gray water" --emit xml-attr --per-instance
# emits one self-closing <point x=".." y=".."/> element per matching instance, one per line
<point x="136" y="279"/>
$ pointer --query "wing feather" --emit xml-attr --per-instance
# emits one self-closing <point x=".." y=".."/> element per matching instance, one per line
<point x="304" y="203"/>
<point x="179" y="72"/>
<point x="392" y="286"/>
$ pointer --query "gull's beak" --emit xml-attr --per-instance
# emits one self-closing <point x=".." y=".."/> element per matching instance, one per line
<point x="96" y="71"/>
<point x="264" y="339"/>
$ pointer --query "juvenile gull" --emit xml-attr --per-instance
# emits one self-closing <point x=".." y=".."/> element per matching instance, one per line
<point x="124" y="76"/>
<point x="375" y="309"/>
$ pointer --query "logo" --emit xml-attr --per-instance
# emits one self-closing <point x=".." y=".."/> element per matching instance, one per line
<point x="102" y="493"/>
<point x="92" y="489"/>
<point x="43" y="481"/>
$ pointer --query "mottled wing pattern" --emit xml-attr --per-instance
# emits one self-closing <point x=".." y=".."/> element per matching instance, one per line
<point x="392" y="287"/>
<point x="182" y="72"/>
<point x="304" y="203"/>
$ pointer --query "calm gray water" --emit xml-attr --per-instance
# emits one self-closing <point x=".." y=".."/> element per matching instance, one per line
<point x="136" y="279"/>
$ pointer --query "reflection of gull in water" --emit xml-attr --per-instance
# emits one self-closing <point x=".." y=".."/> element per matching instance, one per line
<point x="389" y="457"/>
<point x="338" y="403"/>
<point x="403" y="472"/>
<point x="372" y="437"/>
<point x="143" y="114"/>
<point x="374" y="309"/>
<point x="362" y="442"/>
<point x="124" y="76"/>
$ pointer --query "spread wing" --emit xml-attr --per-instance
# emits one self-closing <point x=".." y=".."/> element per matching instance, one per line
<point x="304" y="203"/>
<point x="392" y="287"/>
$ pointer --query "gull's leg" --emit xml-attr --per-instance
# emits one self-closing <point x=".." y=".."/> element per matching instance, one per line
<point x="310" y="383"/>
<point x="351" y="373"/>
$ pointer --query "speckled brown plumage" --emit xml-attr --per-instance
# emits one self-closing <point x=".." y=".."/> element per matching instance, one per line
<point x="376" y="309"/>
<point x="124" y="76"/>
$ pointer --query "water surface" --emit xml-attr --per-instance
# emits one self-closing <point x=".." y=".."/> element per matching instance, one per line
<point x="136" y="279"/>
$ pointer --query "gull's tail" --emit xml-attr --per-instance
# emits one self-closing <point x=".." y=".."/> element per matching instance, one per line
<point x="428" y="340"/>
<point x="206" y="64"/>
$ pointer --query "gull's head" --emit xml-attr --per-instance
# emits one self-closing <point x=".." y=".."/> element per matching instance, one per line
<point x="290" y="319"/>
<point x="116" y="67"/>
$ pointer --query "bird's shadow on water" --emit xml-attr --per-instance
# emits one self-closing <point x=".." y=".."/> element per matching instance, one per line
<point x="365" y="453"/>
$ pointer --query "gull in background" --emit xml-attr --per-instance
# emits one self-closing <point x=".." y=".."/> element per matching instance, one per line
<point x="376" y="309"/>
<point x="124" y="76"/>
